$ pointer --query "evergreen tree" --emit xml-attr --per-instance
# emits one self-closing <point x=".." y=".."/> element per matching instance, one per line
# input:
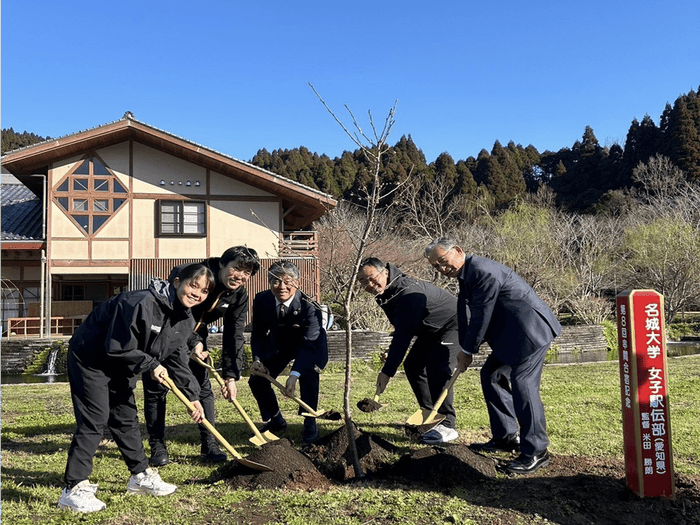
<point x="641" y="144"/>
<point x="11" y="140"/>
<point x="466" y="185"/>
<point x="684" y="136"/>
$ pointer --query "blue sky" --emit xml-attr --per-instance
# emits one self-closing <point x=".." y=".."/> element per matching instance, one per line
<point x="234" y="76"/>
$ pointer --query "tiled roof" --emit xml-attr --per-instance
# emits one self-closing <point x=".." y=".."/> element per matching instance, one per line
<point x="128" y="116"/>
<point x="302" y="204"/>
<point x="21" y="214"/>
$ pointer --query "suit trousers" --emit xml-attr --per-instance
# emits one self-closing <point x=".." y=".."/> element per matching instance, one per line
<point x="429" y="365"/>
<point x="262" y="389"/>
<point x="154" y="396"/>
<point x="101" y="402"/>
<point x="512" y="395"/>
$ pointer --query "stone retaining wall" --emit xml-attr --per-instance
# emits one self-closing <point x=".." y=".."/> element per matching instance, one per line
<point x="17" y="354"/>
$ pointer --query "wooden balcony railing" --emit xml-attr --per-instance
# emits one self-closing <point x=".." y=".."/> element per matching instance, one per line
<point x="31" y="326"/>
<point x="298" y="244"/>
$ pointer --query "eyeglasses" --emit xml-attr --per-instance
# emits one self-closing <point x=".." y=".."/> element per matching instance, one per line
<point x="289" y="283"/>
<point x="369" y="279"/>
<point x="442" y="260"/>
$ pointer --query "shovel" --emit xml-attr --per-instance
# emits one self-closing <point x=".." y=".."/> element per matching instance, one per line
<point x="259" y="438"/>
<point x="428" y="417"/>
<point x="310" y="412"/>
<point x="236" y="456"/>
<point x="371" y="405"/>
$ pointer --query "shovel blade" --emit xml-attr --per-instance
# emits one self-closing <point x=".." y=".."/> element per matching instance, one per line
<point x="257" y="441"/>
<point x="437" y="418"/>
<point x="252" y="464"/>
<point x="261" y="439"/>
<point x="418" y="417"/>
<point x="423" y="417"/>
<point x="269" y="436"/>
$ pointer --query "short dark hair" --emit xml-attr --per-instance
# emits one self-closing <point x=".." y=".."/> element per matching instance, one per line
<point x="194" y="271"/>
<point x="374" y="262"/>
<point x="243" y="257"/>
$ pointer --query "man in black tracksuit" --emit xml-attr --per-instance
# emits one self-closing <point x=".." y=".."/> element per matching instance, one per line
<point x="228" y="300"/>
<point x="421" y="309"/>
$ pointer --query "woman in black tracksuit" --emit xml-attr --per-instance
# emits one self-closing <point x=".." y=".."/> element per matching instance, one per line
<point x="136" y="332"/>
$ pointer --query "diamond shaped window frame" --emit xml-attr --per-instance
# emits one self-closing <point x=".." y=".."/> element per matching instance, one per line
<point x="81" y="195"/>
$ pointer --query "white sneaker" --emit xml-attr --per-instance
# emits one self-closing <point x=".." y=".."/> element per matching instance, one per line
<point x="81" y="498"/>
<point x="439" y="434"/>
<point x="149" y="482"/>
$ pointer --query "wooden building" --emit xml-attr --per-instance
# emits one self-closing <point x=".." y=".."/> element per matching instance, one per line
<point x="123" y="202"/>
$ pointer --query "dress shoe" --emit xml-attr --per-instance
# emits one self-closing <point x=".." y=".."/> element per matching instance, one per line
<point x="211" y="451"/>
<point x="159" y="454"/>
<point x="508" y="444"/>
<point x="276" y="424"/>
<point x="528" y="464"/>
<point x="310" y="432"/>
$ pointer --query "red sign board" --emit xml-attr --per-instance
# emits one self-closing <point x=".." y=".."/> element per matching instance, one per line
<point x="645" y="412"/>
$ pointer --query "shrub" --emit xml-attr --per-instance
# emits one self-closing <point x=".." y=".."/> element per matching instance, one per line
<point x="610" y="334"/>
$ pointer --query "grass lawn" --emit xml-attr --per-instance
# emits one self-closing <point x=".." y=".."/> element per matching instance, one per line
<point x="583" y="411"/>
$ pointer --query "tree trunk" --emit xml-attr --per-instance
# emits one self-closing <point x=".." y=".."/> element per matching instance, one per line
<point x="349" y="425"/>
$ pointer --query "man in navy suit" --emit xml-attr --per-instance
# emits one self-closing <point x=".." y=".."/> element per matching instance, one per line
<point x="286" y="327"/>
<point x="497" y="306"/>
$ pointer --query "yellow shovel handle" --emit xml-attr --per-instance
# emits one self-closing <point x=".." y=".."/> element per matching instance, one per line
<point x="443" y="395"/>
<point x="286" y="392"/>
<point x="205" y="422"/>
<point x="208" y="364"/>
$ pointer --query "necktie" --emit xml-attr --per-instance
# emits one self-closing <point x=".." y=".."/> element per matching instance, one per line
<point x="283" y="312"/>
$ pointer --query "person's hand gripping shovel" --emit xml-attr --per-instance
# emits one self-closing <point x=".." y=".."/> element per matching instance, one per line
<point x="236" y="456"/>
<point x="310" y="412"/>
<point x="259" y="438"/>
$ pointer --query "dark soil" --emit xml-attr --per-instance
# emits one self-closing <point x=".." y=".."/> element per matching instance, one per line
<point x="368" y="405"/>
<point x="572" y="490"/>
<point x="334" y="459"/>
<point x="444" y="466"/>
<point x="291" y="469"/>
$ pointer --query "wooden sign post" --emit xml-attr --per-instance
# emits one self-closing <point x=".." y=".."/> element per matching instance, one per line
<point x="644" y="389"/>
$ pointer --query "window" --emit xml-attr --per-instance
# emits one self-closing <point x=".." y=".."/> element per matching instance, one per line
<point x="181" y="218"/>
<point x="73" y="292"/>
<point x="90" y="194"/>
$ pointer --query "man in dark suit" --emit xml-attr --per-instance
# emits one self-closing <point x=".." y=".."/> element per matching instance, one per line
<point x="286" y="327"/>
<point x="497" y="306"/>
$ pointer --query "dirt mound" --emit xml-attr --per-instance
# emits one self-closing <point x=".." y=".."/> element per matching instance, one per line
<point x="291" y="469"/>
<point x="334" y="459"/>
<point x="446" y="466"/>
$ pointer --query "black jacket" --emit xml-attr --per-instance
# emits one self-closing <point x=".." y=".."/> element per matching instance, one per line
<point x="232" y="305"/>
<point x="414" y="308"/>
<point x="300" y="332"/>
<point x="133" y="332"/>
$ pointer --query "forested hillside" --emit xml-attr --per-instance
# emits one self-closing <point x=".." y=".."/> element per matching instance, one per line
<point x="581" y="175"/>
